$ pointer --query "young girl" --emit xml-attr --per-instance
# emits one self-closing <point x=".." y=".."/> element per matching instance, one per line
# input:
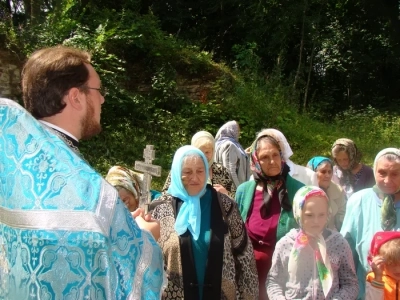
<point x="383" y="282"/>
<point x="312" y="262"/>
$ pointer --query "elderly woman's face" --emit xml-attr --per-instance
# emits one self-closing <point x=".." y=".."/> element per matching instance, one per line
<point x="269" y="158"/>
<point x="324" y="175"/>
<point x="387" y="175"/>
<point x="208" y="150"/>
<point x="128" y="199"/>
<point x="343" y="160"/>
<point x="193" y="175"/>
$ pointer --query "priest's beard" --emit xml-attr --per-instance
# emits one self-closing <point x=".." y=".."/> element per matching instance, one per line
<point x="89" y="125"/>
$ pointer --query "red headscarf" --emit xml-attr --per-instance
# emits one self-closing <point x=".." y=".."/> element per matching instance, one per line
<point x="379" y="239"/>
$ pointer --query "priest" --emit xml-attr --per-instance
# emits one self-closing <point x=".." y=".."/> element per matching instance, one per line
<point x="64" y="233"/>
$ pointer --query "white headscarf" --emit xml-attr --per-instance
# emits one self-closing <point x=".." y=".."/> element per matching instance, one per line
<point x="202" y="138"/>
<point x="281" y="139"/>
<point x="383" y="152"/>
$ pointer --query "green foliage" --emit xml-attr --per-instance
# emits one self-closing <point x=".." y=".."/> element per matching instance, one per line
<point x="249" y="52"/>
<point x="246" y="60"/>
<point x="372" y="129"/>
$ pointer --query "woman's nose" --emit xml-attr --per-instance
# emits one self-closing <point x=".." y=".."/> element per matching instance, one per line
<point x="195" y="178"/>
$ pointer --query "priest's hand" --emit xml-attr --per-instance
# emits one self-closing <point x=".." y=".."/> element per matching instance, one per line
<point x="146" y="222"/>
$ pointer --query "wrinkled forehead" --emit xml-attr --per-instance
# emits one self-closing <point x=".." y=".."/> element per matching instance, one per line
<point x="388" y="155"/>
<point x="386" y="162"/>
<point x="267" y="142"/>
<point x="325" y="164"/>
<point x="192" y="161"/>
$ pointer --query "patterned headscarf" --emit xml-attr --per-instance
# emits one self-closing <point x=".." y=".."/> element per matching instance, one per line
<point x="189" y="216"/>
<point x="346" y="177"/>
<point x="229" y="132"/>
<point x="388" y="211"/>
<point x="123" y="177"/>
<point x="351" y="150"/>
<point x="271" y="184"/>
<point x="314" y="162"/>
<point x="202" y="138"/>
<point x="303" y="240"/>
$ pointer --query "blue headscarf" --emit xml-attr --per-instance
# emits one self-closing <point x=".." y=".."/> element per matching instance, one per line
<point x="316" y="161"/>
<point x="189" y="216"/>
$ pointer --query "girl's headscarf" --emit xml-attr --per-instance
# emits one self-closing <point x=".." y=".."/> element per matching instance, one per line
<point x="189" y="216"/>
<point x="127" y="179"/>
<point x="388" y="211"/>
<point x="229" y="132"/>
<point x="314" y="162"/>
<point x="303" y="240"/>
<point x="271" y="184"/>
<point x="202" y="138"/>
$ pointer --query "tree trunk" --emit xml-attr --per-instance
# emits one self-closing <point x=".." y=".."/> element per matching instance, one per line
<point x="308" y="78"/>
<point x="32" y="10"/>
<point x="8" y="7"/>
<point x="296" y="78"/>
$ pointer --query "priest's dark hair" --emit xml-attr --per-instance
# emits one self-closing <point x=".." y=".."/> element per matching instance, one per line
<point x="49" y="74"/>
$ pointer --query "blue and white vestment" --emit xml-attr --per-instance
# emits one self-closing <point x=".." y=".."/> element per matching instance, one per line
<point x="64" y="233"/>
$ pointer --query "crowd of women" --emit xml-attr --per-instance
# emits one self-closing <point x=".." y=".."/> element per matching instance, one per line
<point x="239" y="223"/>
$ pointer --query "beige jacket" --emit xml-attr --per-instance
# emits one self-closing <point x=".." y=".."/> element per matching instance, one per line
<point x="337" y="202"/>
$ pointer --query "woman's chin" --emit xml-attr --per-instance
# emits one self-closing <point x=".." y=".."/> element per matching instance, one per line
<point x="324" y="185"/>
<point x="273" y="173"/>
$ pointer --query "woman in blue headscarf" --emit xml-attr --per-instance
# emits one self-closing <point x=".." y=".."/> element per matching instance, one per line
<point x="205" y="244"/>
<point x="323" y="167"/>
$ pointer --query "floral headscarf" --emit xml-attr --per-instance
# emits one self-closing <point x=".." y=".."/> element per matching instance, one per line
<point x="314" y="162"/>
<point x="123" y="177"/>
<point x="189" y="216"/>
<point x="271" y="184"/>
<point x="388" y="211"/>
<point x="229" y="132"/>
<point x="303" y="240"/>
